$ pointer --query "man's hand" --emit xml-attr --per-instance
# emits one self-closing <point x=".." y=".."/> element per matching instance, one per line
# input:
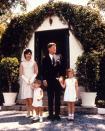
<point x="61" y="79"/>
<point x="45" y="83"/>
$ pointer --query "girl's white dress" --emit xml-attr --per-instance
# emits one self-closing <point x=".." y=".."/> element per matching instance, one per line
<point x="36" y="102"/>
<point x="28" y="73"/>
<point x="70" y="91"/>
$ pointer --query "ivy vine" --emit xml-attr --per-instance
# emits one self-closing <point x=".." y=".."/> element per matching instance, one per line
<point x="86" y="23"/>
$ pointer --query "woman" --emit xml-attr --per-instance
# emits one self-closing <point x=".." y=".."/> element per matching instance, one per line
<point x="28" y="73"/>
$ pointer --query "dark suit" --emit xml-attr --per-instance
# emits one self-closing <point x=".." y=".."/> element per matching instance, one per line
<point x="50" y="73"/>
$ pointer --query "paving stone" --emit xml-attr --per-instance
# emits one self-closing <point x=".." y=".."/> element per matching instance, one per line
<point x="79" y="109"/>
<point x="16" y="121"/>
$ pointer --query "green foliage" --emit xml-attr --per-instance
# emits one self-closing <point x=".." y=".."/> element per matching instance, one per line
<point x="83" y="22"/>
<point x="99" y="3"/>
<point x="9" y="72"/>
<point x="100" y="103"/>
<point x="88" y="69"/>
<point x="6" y="5"/>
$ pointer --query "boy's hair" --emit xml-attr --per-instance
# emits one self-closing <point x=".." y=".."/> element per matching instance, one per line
<point x="38" y="82"/>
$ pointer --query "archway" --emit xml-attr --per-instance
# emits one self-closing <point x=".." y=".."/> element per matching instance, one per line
<point x="60" y="37"/>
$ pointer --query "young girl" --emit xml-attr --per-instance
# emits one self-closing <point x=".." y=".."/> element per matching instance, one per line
<point x="37" y="100"/>
<point x="71" y="92"/>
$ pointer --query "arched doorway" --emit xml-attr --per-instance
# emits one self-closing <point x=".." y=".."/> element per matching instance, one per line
<point x="60" y="37"/>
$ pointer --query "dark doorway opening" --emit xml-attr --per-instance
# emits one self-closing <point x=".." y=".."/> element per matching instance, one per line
<point x="60" y="37"/>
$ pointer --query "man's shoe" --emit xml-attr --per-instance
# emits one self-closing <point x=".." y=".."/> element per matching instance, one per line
<point x="50" y="118"/>
<point x="57" y="118"/>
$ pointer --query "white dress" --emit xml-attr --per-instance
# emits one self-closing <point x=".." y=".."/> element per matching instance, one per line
<point x="36" y="102"/>
<point x="70" y="91"/>
<point x="28" y="73"/>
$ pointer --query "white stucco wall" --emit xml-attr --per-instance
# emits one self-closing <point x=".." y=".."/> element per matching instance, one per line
<point x="74" y="45"/>
<point x="31" y="45"/>
<point x="75" y="50"/>
<point x="56" y="24"/>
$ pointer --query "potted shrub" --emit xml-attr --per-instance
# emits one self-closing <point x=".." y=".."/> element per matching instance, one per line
<point x="88" y="76"/>
<point x="9" y="74"/>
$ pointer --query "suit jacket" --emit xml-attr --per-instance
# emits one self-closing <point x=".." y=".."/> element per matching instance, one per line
<point x="50" y="71"/>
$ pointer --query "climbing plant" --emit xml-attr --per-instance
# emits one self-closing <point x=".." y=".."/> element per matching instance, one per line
<point x="84" y="22"/>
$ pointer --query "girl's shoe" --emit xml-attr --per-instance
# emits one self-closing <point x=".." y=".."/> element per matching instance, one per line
<point x="36" y="118"/>
<point x="28" y="116"/>
<point x="32" y="117"/>
<point x="69" y="118"/>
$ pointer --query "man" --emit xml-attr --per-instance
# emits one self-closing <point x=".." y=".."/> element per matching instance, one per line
<point x="52" y="70"/>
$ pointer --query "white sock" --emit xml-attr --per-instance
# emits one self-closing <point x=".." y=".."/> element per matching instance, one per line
<point x="69" y="114"/>
<point x="72" y="116"/>
<point x="41" y="119"/>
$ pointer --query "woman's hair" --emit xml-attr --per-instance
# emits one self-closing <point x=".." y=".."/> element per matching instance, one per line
<point x="27" y="51"/>
<point x="70" y="70"/>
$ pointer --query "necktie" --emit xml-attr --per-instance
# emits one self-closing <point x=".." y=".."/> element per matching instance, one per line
<point x="53" y="60"/>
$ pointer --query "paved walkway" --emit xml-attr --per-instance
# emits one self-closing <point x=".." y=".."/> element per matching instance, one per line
<point x="16" y="121"/>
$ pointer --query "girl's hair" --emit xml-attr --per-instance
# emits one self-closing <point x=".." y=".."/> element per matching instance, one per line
<point x="38" y="82"/>
<point x="27" y="51"/>
<point x="70" y="70"/>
